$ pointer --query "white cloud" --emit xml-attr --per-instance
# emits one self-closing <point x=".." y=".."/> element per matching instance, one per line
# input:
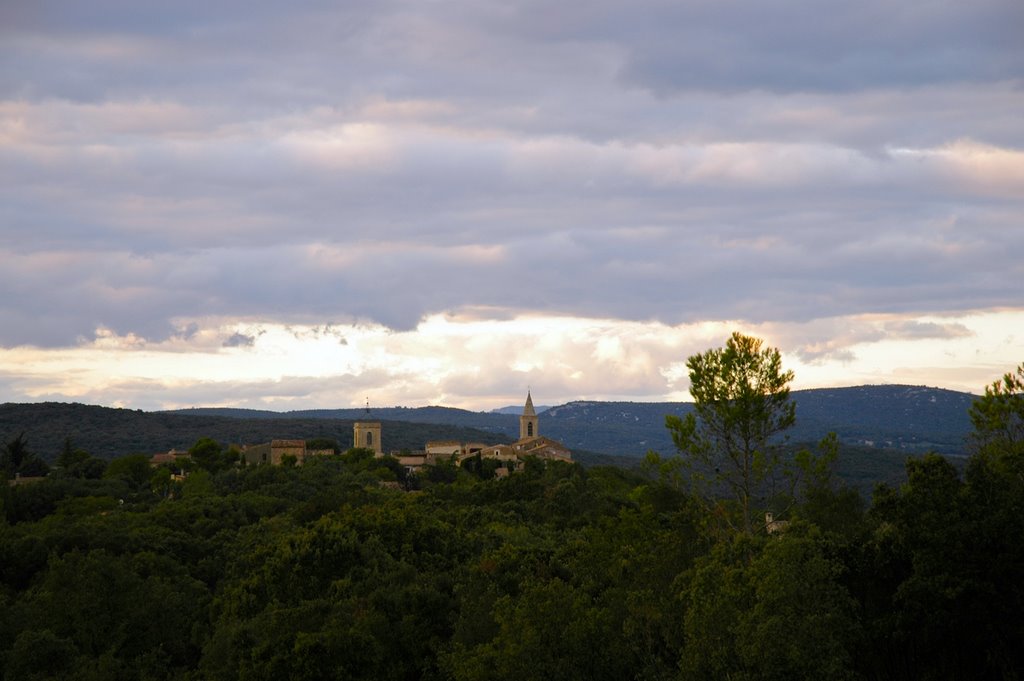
<point x="484" y="364"/>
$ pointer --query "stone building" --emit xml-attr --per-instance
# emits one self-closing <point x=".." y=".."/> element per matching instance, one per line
<point x="366" y="434"/>
<point x="530" y="443"/>
<point x="528" y="421"/>
<point x="443" y="448"/>
<point x="271" y="452"/>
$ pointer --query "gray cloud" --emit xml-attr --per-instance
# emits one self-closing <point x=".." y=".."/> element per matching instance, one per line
<point x="915" y="330"/>
<point x="800" y="45"/>
<point x="240" y="340"/>
<point x="384" y="161"/>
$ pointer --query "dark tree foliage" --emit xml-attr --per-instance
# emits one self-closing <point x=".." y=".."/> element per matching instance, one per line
<point x="14" y="454"/>
<point x="323" y="443"/>
<point x="323" y="571"/>
<point x="133" y="469"/>
<point x="207" y="454"/>
<point x="17" y="460"/>
<point x="998" y="416"/>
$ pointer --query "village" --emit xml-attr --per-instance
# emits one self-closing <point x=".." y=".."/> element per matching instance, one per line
<point x="368" y="434"/>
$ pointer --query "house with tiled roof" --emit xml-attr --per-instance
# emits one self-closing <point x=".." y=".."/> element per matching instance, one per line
<point x="530" y="443"/>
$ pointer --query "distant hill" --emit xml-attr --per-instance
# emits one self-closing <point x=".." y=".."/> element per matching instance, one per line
<point x="107" y="432"/>
<point x="878" y="426"/>
<point x="516" y="410"/>
<point x="908" y="418"/>
<point x="913" y="419"/>
<point x="506" y="424"/>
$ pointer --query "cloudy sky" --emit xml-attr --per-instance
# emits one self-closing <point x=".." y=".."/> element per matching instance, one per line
<point x="308" y="204"/>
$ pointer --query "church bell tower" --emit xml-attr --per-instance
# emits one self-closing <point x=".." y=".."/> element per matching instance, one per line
<point x="528" y="421"/>
<point x="366" y="433"/>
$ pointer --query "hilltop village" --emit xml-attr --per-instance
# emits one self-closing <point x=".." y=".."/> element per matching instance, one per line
<point x="368" y="434"/>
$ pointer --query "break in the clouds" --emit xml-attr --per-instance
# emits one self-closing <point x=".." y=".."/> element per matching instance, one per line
<point x="480" y="363"/>
<point x="796" y="167"/>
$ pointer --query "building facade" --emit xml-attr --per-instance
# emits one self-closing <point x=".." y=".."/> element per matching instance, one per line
<point x="272" y="452"/>
<point x="366" y="434"/>
<point x="528" y="421"/>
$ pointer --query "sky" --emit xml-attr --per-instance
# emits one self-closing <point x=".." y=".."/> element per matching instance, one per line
<point x="412" y="202"/>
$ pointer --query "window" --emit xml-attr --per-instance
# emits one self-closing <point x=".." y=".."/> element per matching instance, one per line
<point x="529" y="429"/>
<point x="369" y="439"/>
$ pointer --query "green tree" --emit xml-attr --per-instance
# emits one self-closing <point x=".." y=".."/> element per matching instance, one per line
<point x="718" y="594"/>
<point x="133" y="613"/>
<point x="231" y="456"/>
<point x="772" y="608"/>
<point x="741" y="402"/>
<point x="207" y="454"/>
<point x="90" y="469"/>
<point x="70" y="456"/>
<point x="992" y="511"/>
<point x="921" y="605"/>
<point x="442" y="472"/>
<point x="998" y="416"/>
<point x="802" y="624"/>
<point x="15" y="454"/>
<point x="197" y="484"/>
<point x="40" y="655"/>
<point x="358" y="457"/>
<point x="161" y="481"/>
<point x="322" y="443"/>
<point x="133" y="469"/>
<point x="550" y="631"/>
<point x="18" y="460"/>
<point x="823" y="499"/>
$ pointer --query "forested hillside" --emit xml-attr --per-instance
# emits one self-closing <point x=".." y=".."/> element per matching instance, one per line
<point x="912" y="419"/>
<point x="877" y="426"/>
<point x="486" y="421"/>
<point x="106" y="432"/>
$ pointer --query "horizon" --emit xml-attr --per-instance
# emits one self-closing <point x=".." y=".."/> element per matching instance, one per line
<point x="541" y="408"/>
<point x="445" y="203"/>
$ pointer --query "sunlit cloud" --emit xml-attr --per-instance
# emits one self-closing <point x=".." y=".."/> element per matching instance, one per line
<point x="442" y="202"/>
<point x="485" y="364"/>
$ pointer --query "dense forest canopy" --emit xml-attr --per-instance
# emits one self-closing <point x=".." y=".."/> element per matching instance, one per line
<point x="349" y="567"/>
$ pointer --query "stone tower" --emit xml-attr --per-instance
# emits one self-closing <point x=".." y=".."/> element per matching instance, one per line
<point x="528" y="421"/>
<point x="366" y="434"/>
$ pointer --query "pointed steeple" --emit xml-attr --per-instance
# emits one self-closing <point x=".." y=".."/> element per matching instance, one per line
<point x="528" y="409"/>
<point x="528" y="421"/>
